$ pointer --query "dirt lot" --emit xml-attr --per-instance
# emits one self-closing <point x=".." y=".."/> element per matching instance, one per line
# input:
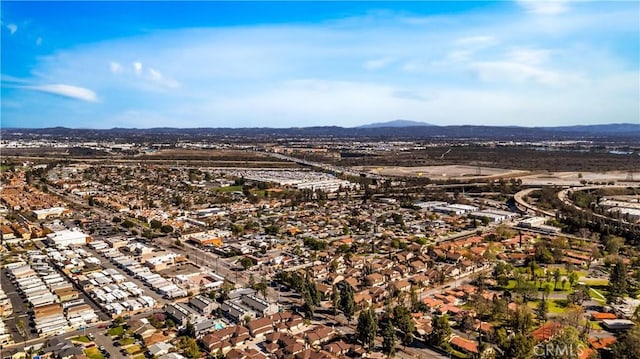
<point x="446" y="171"/>
<point x="219" y="155"/>
<point x="574" y="178"/>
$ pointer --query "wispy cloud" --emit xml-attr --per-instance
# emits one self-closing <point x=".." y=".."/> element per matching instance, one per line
<point x="12" y="28"/>
<point x="545" y="7"/>
<point x="514" y="72"/>
<point x="501" y="67"/>
<point x="115" y="67"/>
<point x="137" y="68"/>
<point x="476" y="42"/>
<point x="158" y="78"/>
<point x="378" y="64"/>
<point x="529" y="56"/>
<point x="68" y="91"/>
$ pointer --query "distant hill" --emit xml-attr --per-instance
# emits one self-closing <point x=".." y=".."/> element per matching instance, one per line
<point x="395" y="123"/>
<point x="406" y="130"/>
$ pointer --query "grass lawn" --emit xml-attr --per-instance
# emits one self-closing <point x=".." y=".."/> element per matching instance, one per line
<point x="93" y="353"/>
<point x="126" y="341"/>
<point x="229" y="189"/>
<point x="134" y="349"/>
<point x="81" y="339"/>
<point x="457" y="354"/>
<point x="563" y="272"/>
<point x="595" y="325"/>
<point x="595" y="282"/>
<point x="566" y="290"/>
<point x="598" y="295"/>
<point x="114" y="332"/>
<point x="555" y="306"/>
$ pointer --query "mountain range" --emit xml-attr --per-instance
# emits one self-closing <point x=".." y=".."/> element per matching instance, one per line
<point x="400" y="129"/>
<point x="395" y="123"/>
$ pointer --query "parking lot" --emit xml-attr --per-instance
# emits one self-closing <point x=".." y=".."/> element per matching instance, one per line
<point x="19" y="311"/>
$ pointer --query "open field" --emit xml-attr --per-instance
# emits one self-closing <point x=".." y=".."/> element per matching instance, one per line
<point x="574" y="178"/>
<point x="446" y="171"/>
<point x="512" y="157"/>
<point x="219" y="155"/>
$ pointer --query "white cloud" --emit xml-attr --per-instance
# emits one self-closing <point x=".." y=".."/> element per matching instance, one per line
<point x="264" y="74"/>
<point x="545" y="7"/>
<point x="158" y="78"/>
<point x="513" y="72"/>
<point x="115" y="67"/>
<point x="69" y="91"/>
<point x="12" y="28"/>
<point x="378" y="64"/>
<point x="459" y="55"/>
<point x="476" y="42"/>
<point x="414" y="66"/>
<point x="529" y="56"/>
<point x="137" y="68"/>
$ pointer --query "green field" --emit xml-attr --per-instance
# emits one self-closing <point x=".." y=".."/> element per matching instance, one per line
<point x="567" y="288"/>
<point x="81" y="339"/>
<point x="598" y="295"/>
<point x="595" y="282"/>
<point x="93" y="353"/>
<point x="229" y="189"/>
<point x="126" y="341"/>
<point x="114" y="332"/>
<point x="556" y="306"/>
<point x="134" y="349"/>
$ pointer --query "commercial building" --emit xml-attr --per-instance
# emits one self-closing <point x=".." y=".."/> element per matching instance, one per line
<point x="67" y="238"/>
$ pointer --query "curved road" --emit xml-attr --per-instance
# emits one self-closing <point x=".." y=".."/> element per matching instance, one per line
<point x="519" y="198"/>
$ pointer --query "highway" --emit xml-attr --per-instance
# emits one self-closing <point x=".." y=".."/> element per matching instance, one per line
<point x="520" y="201"/>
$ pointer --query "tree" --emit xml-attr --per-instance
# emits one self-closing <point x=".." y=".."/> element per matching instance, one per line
<point x="440" y="330"/>
<point x="166" y="229"/>
<point x="261" y="287"/>
<point x="617" y="282"/>
<point x="573" y="278"/>
<point x="155" y="224"/>
<point x="542" y="310"/>
<point x="521" y="319"/>
<point x="519" y="346"/>
<point x="467" y="323"/>
<point x="367" y="328"/>
<point x="569" y="341"/>
<point x="389" y="340"/>
<point x="335" y="299"/>
<point x="118" y="321"/>
<point x="189" y="330"/>
<point x="347" y="303"/>
<point x="189" y="347"/>
<point x="579" y="295"/>
<point x="414" y="299"/>
<point x="556" y="278"/>
<point x="404" y="322"/>
<point x="525" y="288"/>
<point x="246" y="263"/>
<point x="628" y="345"/>
<point x="613" y="244"/>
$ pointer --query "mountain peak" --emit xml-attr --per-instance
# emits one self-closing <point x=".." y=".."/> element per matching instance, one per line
<point x="395" y="123"/>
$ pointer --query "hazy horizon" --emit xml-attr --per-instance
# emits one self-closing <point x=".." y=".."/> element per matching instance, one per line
<point x="101" y="65"/>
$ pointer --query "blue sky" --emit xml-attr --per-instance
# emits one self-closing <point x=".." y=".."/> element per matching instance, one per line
<point x="290" y="64"/>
